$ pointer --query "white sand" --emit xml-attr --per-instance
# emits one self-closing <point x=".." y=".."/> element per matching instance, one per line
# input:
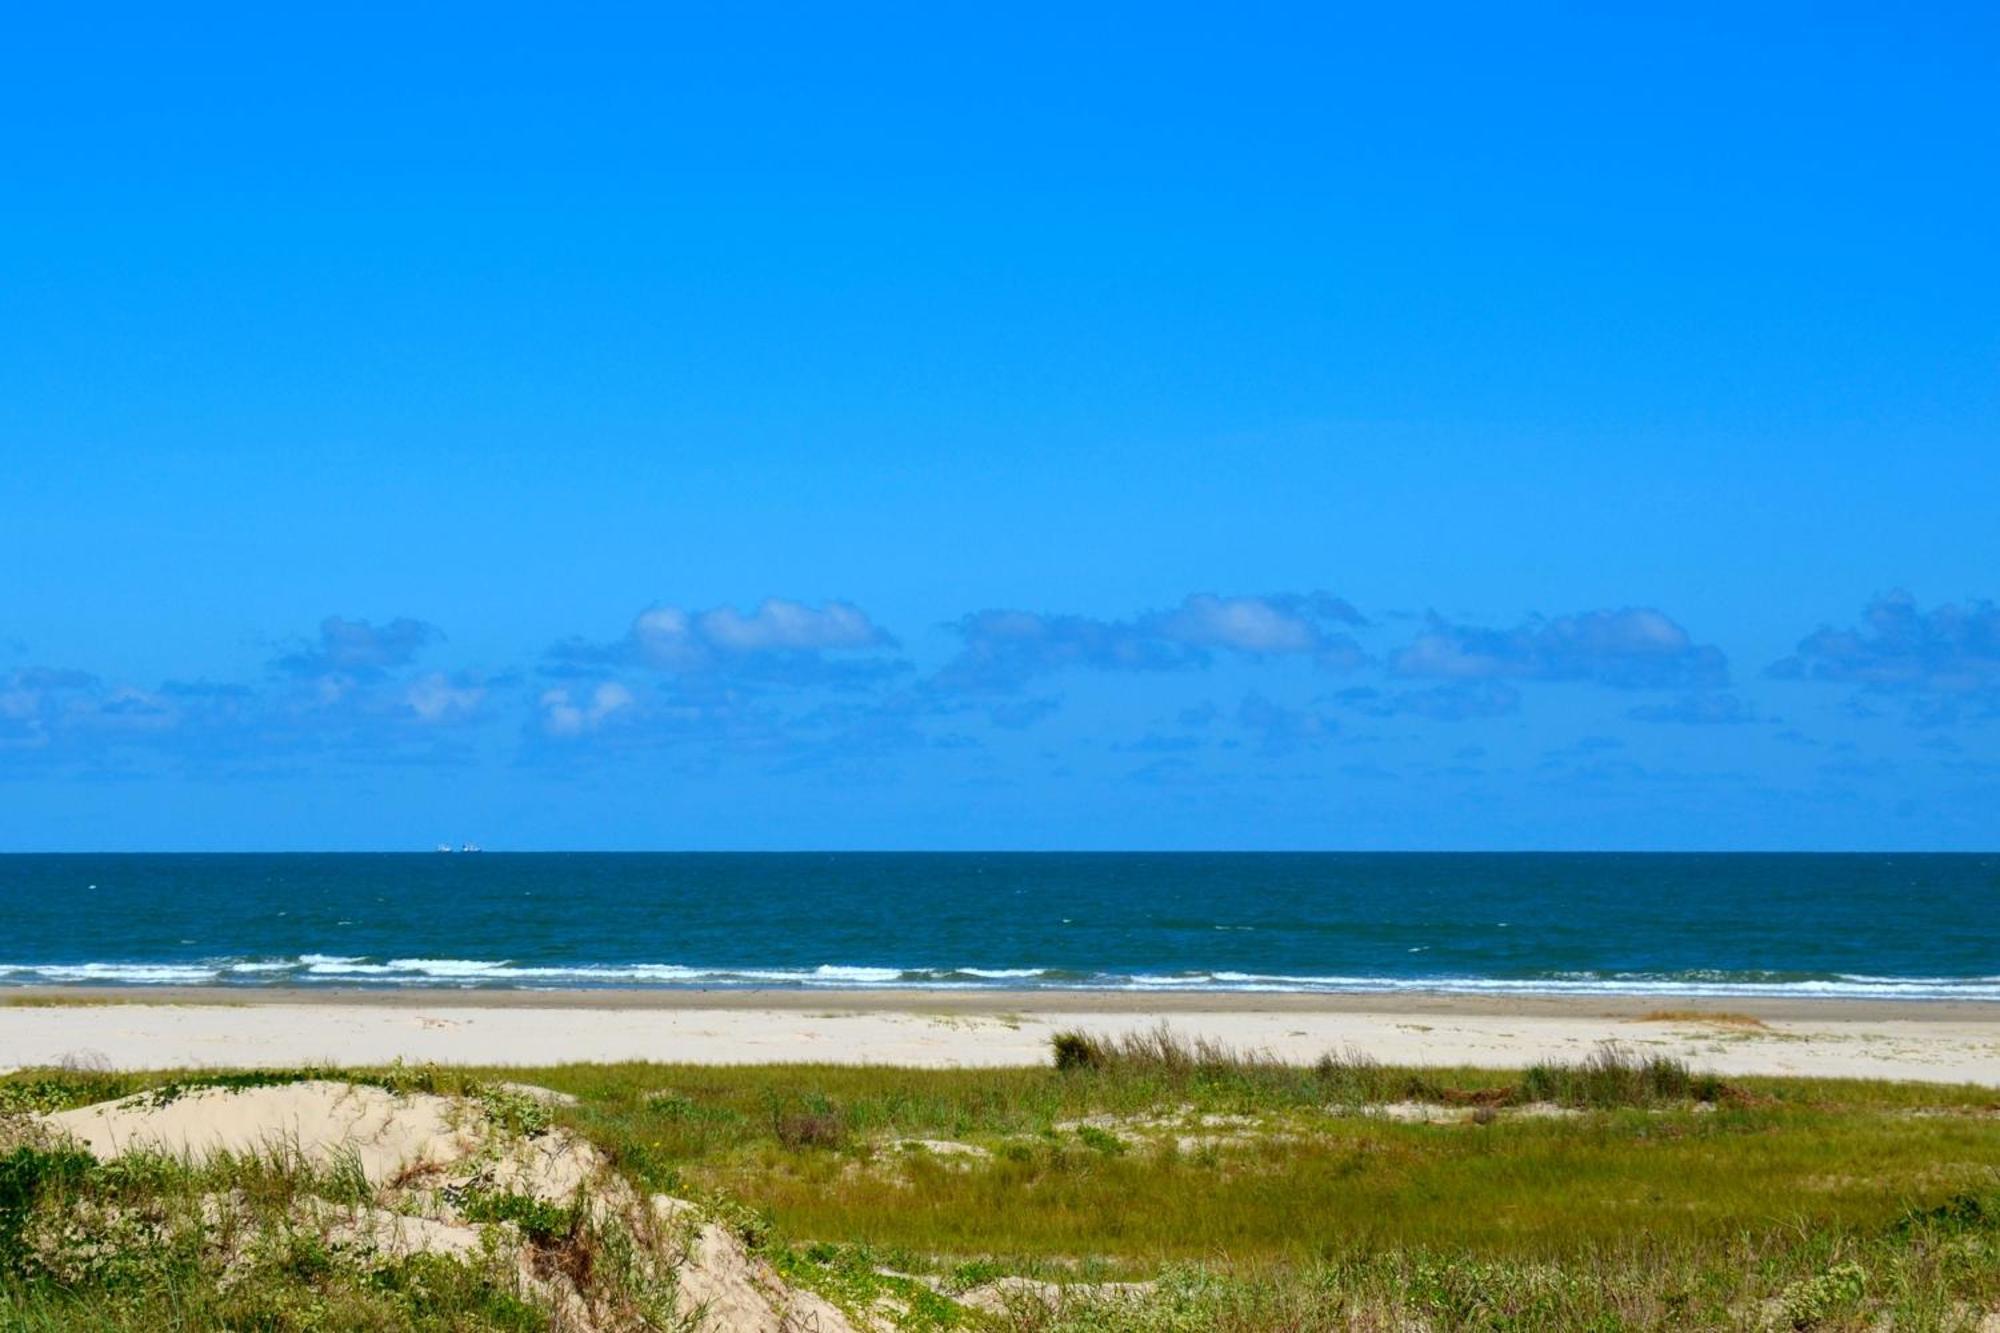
<point x="316" y="1121"/>
<point x="1965" y="1048"/>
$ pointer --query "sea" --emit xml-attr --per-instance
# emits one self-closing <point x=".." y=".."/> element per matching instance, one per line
<point x="1885" y="926"/>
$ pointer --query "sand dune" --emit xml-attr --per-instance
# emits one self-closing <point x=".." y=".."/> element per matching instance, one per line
<point x="421" y="1154"/>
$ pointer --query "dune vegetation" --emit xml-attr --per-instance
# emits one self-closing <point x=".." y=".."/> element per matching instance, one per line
<point x="1142" y="1184"/>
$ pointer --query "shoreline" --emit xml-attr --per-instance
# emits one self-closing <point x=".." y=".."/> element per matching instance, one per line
<point x="995" y="1001"/>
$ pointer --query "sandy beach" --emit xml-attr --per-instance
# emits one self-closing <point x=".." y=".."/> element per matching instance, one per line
<point x="1934" y="1042"/>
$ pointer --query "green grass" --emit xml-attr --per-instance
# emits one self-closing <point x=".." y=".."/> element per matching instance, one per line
<point x="139" y="1244"/>
<point x="1611" y="1193"/>
<point x="1344" y="1188"/>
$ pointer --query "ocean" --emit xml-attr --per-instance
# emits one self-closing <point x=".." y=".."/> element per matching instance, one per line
<point x="1901" y="926"/>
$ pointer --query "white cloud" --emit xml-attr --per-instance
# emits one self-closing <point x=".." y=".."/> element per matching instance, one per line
<point x="781" y="640"/>
<point x="434" y="699"/>
<point x="1004" y="648"/>
<point x="780" y="625"/>
<point x="563" y="716"/>
<point x="1246" y="624"/>
<point x="1633" y="647"/>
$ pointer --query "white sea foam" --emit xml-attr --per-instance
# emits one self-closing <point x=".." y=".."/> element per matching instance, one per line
<point x="132" y="974"/>
<point x="447" y="967"/>
<point x="868" y="975"/>
<point x="317" y="968"/>
<point x="1848" y="987"/>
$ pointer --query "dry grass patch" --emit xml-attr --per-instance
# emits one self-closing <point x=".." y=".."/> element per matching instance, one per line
<point x="1715" y="1017"/>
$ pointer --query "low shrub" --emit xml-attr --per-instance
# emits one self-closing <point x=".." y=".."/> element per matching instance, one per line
<point x="1102" y="1140"/>
<point x="27" y="1174"/>
<point x="809" y="1122"/>
<point x="60" y="1091"/>
<point x="540" y="1221"/>
<point x="516" y="1112"/>
<point x="1808" y="1302"/>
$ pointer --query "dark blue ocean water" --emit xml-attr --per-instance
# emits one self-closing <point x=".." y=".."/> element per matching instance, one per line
<point x="1896" y="925"/>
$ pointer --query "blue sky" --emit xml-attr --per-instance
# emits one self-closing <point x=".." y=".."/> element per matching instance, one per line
<point x="1150" y="427"/>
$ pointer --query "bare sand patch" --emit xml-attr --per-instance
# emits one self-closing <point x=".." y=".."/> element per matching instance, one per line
<point x="318" y="1121"/>
<point x="943" y="1148"/>
<point x="734" y="1291"/>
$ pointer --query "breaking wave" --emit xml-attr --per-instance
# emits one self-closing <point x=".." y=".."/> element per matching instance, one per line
<point x="326" y="970"/>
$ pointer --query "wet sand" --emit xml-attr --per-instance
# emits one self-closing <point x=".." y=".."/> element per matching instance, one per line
<point x="997" y="1001"/>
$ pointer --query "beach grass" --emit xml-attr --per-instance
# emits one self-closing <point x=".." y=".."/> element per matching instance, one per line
<point x="1609" y="1192"/>
<point x="71" y="1001"/>
<point x="153" y="1242"/>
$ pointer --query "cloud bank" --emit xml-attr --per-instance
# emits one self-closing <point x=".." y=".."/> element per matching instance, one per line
<point x="356" y="647"/>
<point x="1631" y="648"/>
<point x="780" y="642"/>
<point x="1949" y="650"/>
<point x="799" y="685"/>
<point x="1003" y="650"/>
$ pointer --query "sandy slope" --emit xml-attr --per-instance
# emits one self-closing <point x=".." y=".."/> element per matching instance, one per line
<point x="313" y="1121"/>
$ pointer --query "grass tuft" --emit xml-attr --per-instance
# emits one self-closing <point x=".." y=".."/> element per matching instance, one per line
<point x="1079" y="1050"/>
<point x="1613" y="1077"/>
<point x="1159" y="1054"/>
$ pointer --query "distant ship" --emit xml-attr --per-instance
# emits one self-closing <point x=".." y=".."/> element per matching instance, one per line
<point x="462" y="847"/>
